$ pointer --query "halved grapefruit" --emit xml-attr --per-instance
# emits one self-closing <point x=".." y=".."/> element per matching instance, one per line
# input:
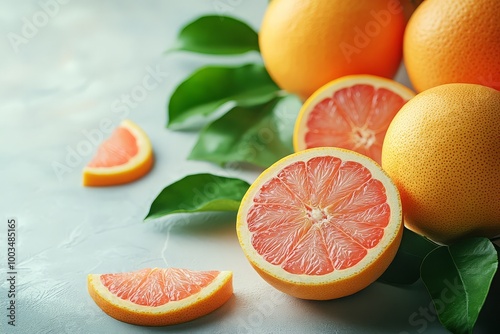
<point x="124" y="157"/>
<point x="160" y="296"/>
<point x="322" y="223"/>
<point x="352" y="112"/>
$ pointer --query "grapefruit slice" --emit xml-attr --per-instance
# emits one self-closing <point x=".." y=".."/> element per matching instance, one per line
<point x="124" y="157"/>
<point x="320" y="224"/>
<point x="160" y="296"/>
<point x="352" y="112"/>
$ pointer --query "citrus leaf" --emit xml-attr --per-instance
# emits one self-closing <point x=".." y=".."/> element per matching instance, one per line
<point x="210" y="87"/>
<point x="458" y="278"/>
<point x="259" y="135"/>
<point x="405" y="268"/>
<point x="199" y="193"/>
<point x="217" y="35"/>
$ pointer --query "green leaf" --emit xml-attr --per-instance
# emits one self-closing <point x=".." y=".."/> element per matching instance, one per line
<point x="217" y="35"/>
<point x="207" y="89"/>
<point x="259" y="135"/>
<point x="199" y="193"/>
<point x="458" y="278"/>
<point x="405" y="268"/>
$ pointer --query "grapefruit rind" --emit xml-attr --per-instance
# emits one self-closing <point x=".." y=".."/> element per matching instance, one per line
<point x="135" y="168"/>
<point x="207" y="300"/>
<point x="450" y="189"/>
<point x="338" y="283"/>
<point x="327" y="90"/>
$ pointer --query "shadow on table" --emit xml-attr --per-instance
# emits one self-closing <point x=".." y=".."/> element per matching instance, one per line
<point x="382" y="308"/>
<point x="402" y="310"/>
<point x="197" y="223"/>
<point x="221" y="316"/>
<point x="489" y="319"/>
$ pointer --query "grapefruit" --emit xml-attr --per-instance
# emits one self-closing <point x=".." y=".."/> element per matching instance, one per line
<point x="308" y="43"/>
<point x="442" y="151"/>
<point x="160" y="296"/>
<point x="351" y="112"/>
<point x="450" y="41"/>
<point x="320" y="224"/>
<point x="124" y="157"/>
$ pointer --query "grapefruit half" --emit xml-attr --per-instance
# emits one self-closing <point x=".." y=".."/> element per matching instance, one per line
<point x="352" y="112"/>
<point x="322" y="223"/>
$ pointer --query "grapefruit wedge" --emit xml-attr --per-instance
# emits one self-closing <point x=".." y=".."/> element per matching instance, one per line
<point x="352" y="112"/>
<point x="160" y="296"/>
<point x="124" y="157"/>
<point x="320" y="224"/>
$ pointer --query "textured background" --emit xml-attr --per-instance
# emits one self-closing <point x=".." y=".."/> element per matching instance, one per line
<point x="56" y="87"/>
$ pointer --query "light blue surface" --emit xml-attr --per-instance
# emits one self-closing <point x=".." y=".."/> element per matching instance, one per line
<point x="58" y="88"/>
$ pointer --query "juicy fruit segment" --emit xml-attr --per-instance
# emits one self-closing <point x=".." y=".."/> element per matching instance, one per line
<point x="142" y="287"/>
<point x="124" y="157"/>
<point x="117" y="150"/>
<point x="286" y="240"/>
<point x="442" y="151"/>
<point x="354" y="118"/>
<point x="160" y="296"/>
<point x="353" y="112"/>
<point x="321" y="224"/>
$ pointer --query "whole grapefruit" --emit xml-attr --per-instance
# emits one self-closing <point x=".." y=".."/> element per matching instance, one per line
<point x="442" y="151"/>
<point x="450" y="41"/>
<point x="307" y="43"/>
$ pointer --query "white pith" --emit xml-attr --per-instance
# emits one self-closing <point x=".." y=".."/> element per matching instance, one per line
<point x="209" y="290"/>
<point x="362" y="137"/>
<point x="144" y="151"/>
<point x="390" y="232"/>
